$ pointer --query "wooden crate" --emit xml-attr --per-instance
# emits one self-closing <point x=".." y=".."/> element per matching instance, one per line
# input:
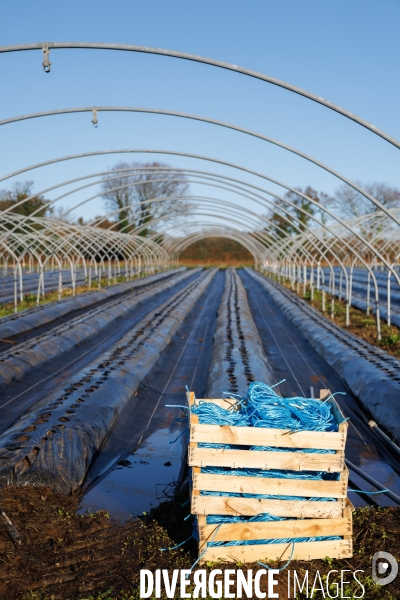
<point x="311" y="518"/>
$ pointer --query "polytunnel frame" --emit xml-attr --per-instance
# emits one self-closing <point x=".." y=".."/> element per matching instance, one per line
<point x="35" y="247"/>
<point x="233" y="208"/>
<point x="289" y="240"/>
<point x="239" y="208"/>
<point x="376" y="235"/>
<point x="318" y="245"/>
<point x="375" y="217"/>
<point x="177" y="153"/>
<point x="214" y="177"/>
<point x="385" y="225"/>
<point x="256" y="248"/>
<point x="118" y="242"/>
<point x="296" y="191"/>
<point x="77" y="252"/>
<point x="328" y="248"/>
<point x="185" y="242"/>
<point x="259" y="217"/>
<point x="128" y="172"/>
<point x="46" y="46"/>
<point x="67" y="249"/>
<point x="69" y="229"/>
<point x="152" y="249"/>
<point x="315" y="203"/>
<point x="152" y="200"/>
<point x="163" y="219"/>
<point x="158" y="170"/>
<point x="248" y="132"/>
<point x="298" y="247"/>
<point x="333" y="241"/>
<point x="252" y="245"/>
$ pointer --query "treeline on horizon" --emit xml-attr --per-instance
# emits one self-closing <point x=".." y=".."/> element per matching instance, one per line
<point x="216" y="251"/>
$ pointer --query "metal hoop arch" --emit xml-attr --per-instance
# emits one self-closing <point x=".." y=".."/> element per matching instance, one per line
<point x="212" y="62"/>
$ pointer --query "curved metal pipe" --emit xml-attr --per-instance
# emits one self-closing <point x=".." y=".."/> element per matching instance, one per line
<point x="211" y="62"/>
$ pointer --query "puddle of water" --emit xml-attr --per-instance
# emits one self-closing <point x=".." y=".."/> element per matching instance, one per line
<point x="141" y="481"/>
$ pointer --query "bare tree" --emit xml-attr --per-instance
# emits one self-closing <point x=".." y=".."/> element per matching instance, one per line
<point x="139" y="193"/>
<point x="351" y="203"/>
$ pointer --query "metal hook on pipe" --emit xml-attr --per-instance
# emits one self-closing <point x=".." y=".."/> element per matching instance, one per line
<point x="46" y="57"/>
<point x="94" y="120"/>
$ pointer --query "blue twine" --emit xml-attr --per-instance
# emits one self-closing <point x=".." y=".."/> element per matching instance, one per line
<point x="194" y="534"/>
<point x="219" y="446"/>
<point x="177" y="546"/>
<point x="319" y="475"/>
<point x="204" y="551"/>
<point x="306" y="450"/>
<point x="276" y="384"/>
<point x="238" y="399"/>
<point x="284" y="566"/>
<point x="212" y="414"/>
<point x="266" y="409"/>
<point x="181" y="433"/>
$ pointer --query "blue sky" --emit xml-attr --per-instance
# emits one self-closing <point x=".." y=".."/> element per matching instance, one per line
<point x="345" y="51"/>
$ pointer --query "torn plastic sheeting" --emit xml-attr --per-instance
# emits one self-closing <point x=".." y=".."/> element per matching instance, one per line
<point x="54" y="443"/>
<point x="374" y="387"/>
<point x="227" y="369"/>
<point x="16" y="361"/>
<point x="35" y="317"/>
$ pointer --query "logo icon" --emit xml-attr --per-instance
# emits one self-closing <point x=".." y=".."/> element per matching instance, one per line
<point x="384" y="568"/>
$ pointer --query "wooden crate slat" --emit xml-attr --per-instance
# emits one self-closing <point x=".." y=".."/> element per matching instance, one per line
<point x="292" y="461"/>
<point x="262" y="436"/>
<point x="296" y="528"/>
<point x="272" y="486"/>
<point x="265" y="552"/>
<point x="225" y="505"/>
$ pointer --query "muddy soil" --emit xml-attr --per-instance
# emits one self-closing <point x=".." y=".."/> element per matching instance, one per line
<point x="67" y="556"/>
